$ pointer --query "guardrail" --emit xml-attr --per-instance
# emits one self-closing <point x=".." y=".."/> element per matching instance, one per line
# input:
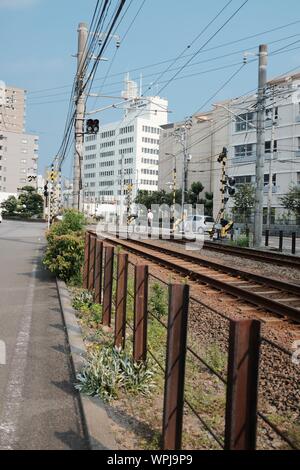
<point x="106" y="273"/>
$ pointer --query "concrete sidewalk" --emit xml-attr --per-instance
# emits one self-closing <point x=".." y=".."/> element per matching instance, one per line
<point x="39" y="407"/>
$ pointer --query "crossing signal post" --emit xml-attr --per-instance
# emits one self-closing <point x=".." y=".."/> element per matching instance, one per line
<point x="223" y="160"/>
<point x="227" y="189"/>
<point x="129" y="201"/>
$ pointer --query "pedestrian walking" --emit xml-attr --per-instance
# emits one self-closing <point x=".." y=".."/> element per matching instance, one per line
<point x="150" y="219"/>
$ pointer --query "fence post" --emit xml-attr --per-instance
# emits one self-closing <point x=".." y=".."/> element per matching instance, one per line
<point x="280" y="241"/>
<point x="107" y="284"/>
<point x="175" y="366"/>
<point x="121" y="299"/>
<point x="92" y="250"/>
<point x="242" y="385"/>
<point x="140" y="313"/>
<point x="267" y="238"/>
<point x="86" y="260"/>
<point x="98" y="270"/>
<point x="294" y="243"/>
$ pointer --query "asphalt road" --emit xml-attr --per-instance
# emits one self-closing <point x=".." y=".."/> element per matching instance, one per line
<point x="39" y="408"/>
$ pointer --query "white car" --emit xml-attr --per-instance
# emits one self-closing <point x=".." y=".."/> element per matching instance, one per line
<point x="198" y="223"/>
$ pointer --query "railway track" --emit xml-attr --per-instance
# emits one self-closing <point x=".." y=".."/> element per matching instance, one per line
<point x="273" y="295"/>
<point x="290" y="261"/>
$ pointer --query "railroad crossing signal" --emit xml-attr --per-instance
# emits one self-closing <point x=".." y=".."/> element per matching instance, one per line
<point x="52" y="175"/>
<point x="223" y="156"/>
<point x="230" y="186"/>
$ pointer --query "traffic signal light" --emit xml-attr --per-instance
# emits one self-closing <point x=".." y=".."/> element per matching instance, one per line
<point x="46" y="193"/>
<point x="92" y="126"/>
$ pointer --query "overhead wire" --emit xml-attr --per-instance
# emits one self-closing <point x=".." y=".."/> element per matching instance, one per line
<point x="169" y="60"/>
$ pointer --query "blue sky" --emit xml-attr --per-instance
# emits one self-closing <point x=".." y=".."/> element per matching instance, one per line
<point x="38" y="38"/>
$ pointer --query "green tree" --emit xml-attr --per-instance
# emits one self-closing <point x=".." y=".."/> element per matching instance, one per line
<point x="10" y="205"/>
<point x="157" y="197"/>
<point x="30" y="202"/>
<point x="244" y="199"/>
<point x="291" y="200"/>
<point x="193" y="195"/>
<point x="208" y="202"/>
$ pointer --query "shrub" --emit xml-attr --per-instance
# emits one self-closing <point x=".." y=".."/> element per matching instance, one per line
<point x="158" y="301"/>
<point x="242" y="241"/>
<point x="73" y="222"/>
<point x="215" y="358"/>
<point x="64" y="256"/>
<point x="109" y="370"/>
<point x="83" y="298"/>
<point x="96" y="313"/>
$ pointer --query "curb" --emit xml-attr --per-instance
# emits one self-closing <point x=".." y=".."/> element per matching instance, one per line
<point x="96" y="419"/>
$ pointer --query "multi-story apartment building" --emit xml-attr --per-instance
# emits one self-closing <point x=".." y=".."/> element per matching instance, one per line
<point x="205" y="138"/>
<point x="18" y="150"/>
<point x="282" y="141"/>
<point x="125" y="152"/>
<point x="232" y="124"/>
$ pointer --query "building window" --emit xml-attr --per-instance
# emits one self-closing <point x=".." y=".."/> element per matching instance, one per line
<point x="244" y="122"/>
<point x="265" y="215"/>
<point x="126" y="130"/>
<point x="266" y="179"/>
<point x="239" y="180"/>
<point x="90" y="147"/>
<point x="242" y="151"/>
<point x="268" y="146"/>
<point x="269" y="113"/>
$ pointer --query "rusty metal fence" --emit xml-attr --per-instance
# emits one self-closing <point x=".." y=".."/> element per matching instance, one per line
<point x="124" y="289"/>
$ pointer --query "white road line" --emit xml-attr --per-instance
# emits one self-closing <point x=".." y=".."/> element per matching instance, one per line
<point x="14" y="390"/>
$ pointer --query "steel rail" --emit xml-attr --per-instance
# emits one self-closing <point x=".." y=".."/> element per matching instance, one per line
<point x="291" y="261"/>
<point x="254" y="298"/>
<point x="266" y="281"/>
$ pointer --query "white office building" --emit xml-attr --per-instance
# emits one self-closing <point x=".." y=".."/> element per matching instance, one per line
<point x="124" y="155"/>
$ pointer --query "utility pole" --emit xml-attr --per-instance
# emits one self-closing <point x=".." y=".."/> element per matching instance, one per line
<point x="183" y="140"/>
<point x="260" y="145"/>
<point x="270" y="192"/>
<point x="79" y="114"/>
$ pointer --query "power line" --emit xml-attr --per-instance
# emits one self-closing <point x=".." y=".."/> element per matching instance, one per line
<point x="190" y="45"/>
<point x="170" y="60"/>
<point x="240" y="51"/>
<point x="203" y="46"/>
